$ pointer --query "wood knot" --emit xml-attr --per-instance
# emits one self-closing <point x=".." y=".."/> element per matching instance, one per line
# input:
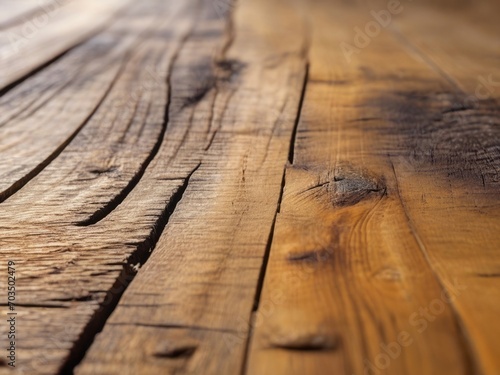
<point x="228" y="69"/>
<point x="303" y="341"/>
<point x="350" y="185"/>
<point x="170" y="349"/>
<point x="101" y="171"/>
<point x="313" y="256"/>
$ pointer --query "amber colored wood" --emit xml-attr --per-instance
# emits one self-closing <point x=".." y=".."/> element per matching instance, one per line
<point x="204" y="272"/>
<point x="370" y="230"/>
<point x="215" y="187"/>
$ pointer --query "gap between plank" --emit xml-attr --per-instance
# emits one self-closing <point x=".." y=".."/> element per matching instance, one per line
<point x="144" y="249"/>
<point x="90" y="35"/>
<point x="127" y="275"/>
<point x="291" y="150"/>
<point x="19" y="184"/>
<point x="265" y="260"/>
<point x="118" y="199"/>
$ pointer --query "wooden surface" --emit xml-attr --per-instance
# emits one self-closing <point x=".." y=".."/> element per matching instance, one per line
<point x="251" y="187"/>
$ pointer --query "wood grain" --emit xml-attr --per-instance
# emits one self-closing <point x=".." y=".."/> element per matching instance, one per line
<point x="49" y="238"/>
<point x="205" y="269"/>
<point x="221" y="187"/>
<point x="362" y="261"/>
<point x="60" y="95"/>
<point x="28" y="45"/>
<point x="14" y="12"/>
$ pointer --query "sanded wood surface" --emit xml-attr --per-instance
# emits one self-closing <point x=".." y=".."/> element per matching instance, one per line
<point x="253" y="187"/>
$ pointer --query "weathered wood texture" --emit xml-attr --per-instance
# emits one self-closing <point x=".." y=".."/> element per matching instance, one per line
<point x="211" y="187"/>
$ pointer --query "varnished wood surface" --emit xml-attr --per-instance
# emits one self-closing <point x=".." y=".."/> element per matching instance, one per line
<point x="253" y="187"/>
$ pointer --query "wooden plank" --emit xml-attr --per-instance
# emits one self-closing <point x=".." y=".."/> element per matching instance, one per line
<point x="138" y="349"/>
<point x="351" y="285"/>
<point x="31" y="44"/>
<point x="13" y="12"/>
<point x="154" y="153"/>
<point x="200" y="282"/>
<point x="451" y="222"/>
<point x="44" y="228"/>
<point x="465" y="57"/>
<point x="62" y="98"/>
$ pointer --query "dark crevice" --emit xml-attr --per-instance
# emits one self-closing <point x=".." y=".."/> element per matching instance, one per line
<point x="458" y="108"/>
<point x="278" y="208"/>
<point x="263" y="269"/>
<point x="143" y="249"/>
<point x="182" y="351"/>
<point x="199" y="94"/>
<point x="45" y="65"/>
<point x="118" y="199"/>
<point x="486" y="275"/>
<point x="265" y="260"/>
<point x="211" y="140"/>
<point x="304" y="347"/>
<point x="15" y="187"/>
<point x="39" y="68"/>
<point x="33" y="106"/>
<point x="319" y="185"/>
<point x="139" y="256"/>
<point x="19" y="184"/>
<point x="85" y="298"/>
<point x="291" y="150"/>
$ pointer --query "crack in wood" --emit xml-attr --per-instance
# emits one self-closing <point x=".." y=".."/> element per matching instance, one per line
<point x="291" y="150"/>
<point x="120" y="197"/>
<point x="171" y="350"/>
<point x="260" y="283"/>
<point x="303" y="341"/>
<point x="349" y="186"/>
<point x="19" y="184"/>
<point x="139" y="256"/>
